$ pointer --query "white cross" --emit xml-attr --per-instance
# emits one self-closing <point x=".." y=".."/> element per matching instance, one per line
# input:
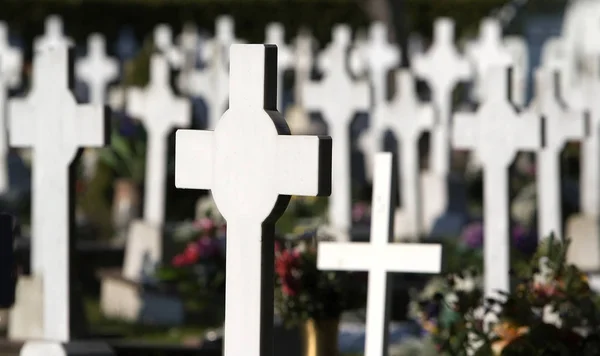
<point x="560" y="126"/>
<point x="496" y="133"/>
<point x="303" y="61"/>
<point x="189" y="44"/>
<point x="517" y="47"/>
<point x="590" y="148"/>
<point x="338" y="98"/>
<point x="53" y="35"/>
<point x="97" y="70"/>
<point x="11" y="63"/>
<point x="486" y="52"/>
<point x="380" y="57"/>
<point x="252" y="165"/>
<point x="51" y="122"/>
<point x="407" y="119"/>
<point x="224" y="38"/>
<point x="163" y="40"/>
<point x="160" y="111"/>
<point x="443" y="68"/>
<point x="275" y="34"/>
<point x="379" y="256"/>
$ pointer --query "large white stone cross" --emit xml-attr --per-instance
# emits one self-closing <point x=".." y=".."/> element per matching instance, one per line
<point x="338" y="98"/>
<point x="160" y="111"/>
<point x="496" y="133"/>
<point x="50" y="121"/>
<point x="560" y="126"/>
<point x="443" y="68"/>
<point x="252" y="165"/>
<point x="53" y="35"/>
<point x="380" y="58"/>
<point x="407" y="118"/>
<point x="11" y="63"/>
<point x="379" y="256"/>
<point x="275" y="34"/>
<point x="97" y="70"/>
<point x="488" y="51"/>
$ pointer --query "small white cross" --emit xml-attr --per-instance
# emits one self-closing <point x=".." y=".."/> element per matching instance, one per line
<point x="160" y="111"/>
<point x="338" y="98"/>
<point x="407" y="119"/>
<point x="443" y="68"/>
<point x="51" y="122"/>
<point x="487" y="51"/>
<point x="560" y="126"/>
<point x="303" y="61"/>
<point x="53" y="35"/>
<point x="96" y="69"/>
<point x="379" y="257"/>
<point x="496" y="133"/>
<point x="163" y="40"/>
<point x="590" y="148"/>
<point x="189" y="45"/>
<point x="275" y="34"/>
<point x="380" y="57"/>
<point x="252" y="165"/>
<point x="517" y="47"/>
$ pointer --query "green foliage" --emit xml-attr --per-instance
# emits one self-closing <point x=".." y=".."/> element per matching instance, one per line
<point x="126" y="157"/>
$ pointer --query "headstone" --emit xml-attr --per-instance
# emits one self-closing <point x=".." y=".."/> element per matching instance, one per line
<point x="189" y="44"/>
<point x="407" y="119"/>
<point x="7" y="262"/>
<point x="275" y="34"/>
<point x="560" y="126"/>
<point x="211" y="83"/>
<point x="338" y="98"/>
<point x="380" y="58"/>
<point x="97" y="70"/>
<point x="497" y="132"/>
<point x="163" y="40"/>
<point x="380" y="257"/>
<point x="47" y="114"/>
<point x="296" y="116"/>
<point x="488" y="51"/>
<point x="252" y="165"/>
<point x="160" y="111"/>
<point x="443" y="68"/>
<point x="517" y="47"/>
<point x="53" y="35"/>
<point x="129" y="294"/>
<point x="11" y="63"/>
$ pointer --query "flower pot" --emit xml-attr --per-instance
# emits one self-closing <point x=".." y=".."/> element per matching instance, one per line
<point x="320" y="337"/>
<point x="126" y="206"/>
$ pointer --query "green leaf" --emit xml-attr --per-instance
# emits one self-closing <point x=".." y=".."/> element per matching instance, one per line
<point x="121" y="147"/>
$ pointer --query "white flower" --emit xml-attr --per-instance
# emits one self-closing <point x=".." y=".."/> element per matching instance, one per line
<point x="551" y="316"/>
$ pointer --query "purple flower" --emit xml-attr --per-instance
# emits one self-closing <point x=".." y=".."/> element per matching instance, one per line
<point x="360" y="211"/>
<point x="524" y="240"/>
<point x="207" y="247"/>
<point x="472" y="235"/>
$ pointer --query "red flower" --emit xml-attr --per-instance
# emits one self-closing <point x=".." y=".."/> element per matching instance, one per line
<point x="286" y="261"/>
<point x="192" y="253"/>
<point x="179" y="261"/>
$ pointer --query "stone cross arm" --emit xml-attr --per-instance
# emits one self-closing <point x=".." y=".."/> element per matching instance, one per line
<point x="364" y="256"/>
<point x="197" y="148"/>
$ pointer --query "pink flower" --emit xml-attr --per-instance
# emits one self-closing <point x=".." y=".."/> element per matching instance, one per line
<point x="207" y="247"/>
<point x="192" y="253"/>
<point x="360" y="211"/>
<point x="179" y="261"/>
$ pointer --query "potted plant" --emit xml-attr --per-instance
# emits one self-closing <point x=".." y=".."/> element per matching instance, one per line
<point x="127" y="159"/>
<point x="310" y="298"/>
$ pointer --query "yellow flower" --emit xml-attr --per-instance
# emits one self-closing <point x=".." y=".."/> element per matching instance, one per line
<point x="507" y="332"/>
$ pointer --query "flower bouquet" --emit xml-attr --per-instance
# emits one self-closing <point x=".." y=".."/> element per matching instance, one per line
<point x="550" y="311"/>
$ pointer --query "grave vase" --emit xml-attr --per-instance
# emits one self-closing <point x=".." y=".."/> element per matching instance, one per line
<point x="126" y="206"/>
<point x="320" y="337"/>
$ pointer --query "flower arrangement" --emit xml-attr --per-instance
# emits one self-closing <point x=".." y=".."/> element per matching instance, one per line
<point x="551" y="309"/>
<point x="303" y="291"/>
<point x="199" y="270"/>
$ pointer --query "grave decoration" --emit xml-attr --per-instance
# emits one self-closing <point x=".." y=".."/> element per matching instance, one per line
<point x="550" y="309"/>
<point x="310" y="298"/>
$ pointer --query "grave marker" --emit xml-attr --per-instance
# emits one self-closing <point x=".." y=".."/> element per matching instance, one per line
<point x="51" y="122"/>
<point x="380" y="57"/>
<point x="561" y="125"/>
<point x="443" y="68"/>
<point x="163" y="40"/>
<point x="11" y="63"/>
<point x="407" y="119"/>
<point x="275" y="34"/>
<point x="338" y="98"/>
<point x="252" y="165"/>
<point x="497" y="132"/>
<point x="160" y="111"/>
<point x="189" y="44"/>
<point x="53" y="35"/>
<point x="380" y="257"/>
<point x="96" y="69"/>
<point x="518" y="50"/>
